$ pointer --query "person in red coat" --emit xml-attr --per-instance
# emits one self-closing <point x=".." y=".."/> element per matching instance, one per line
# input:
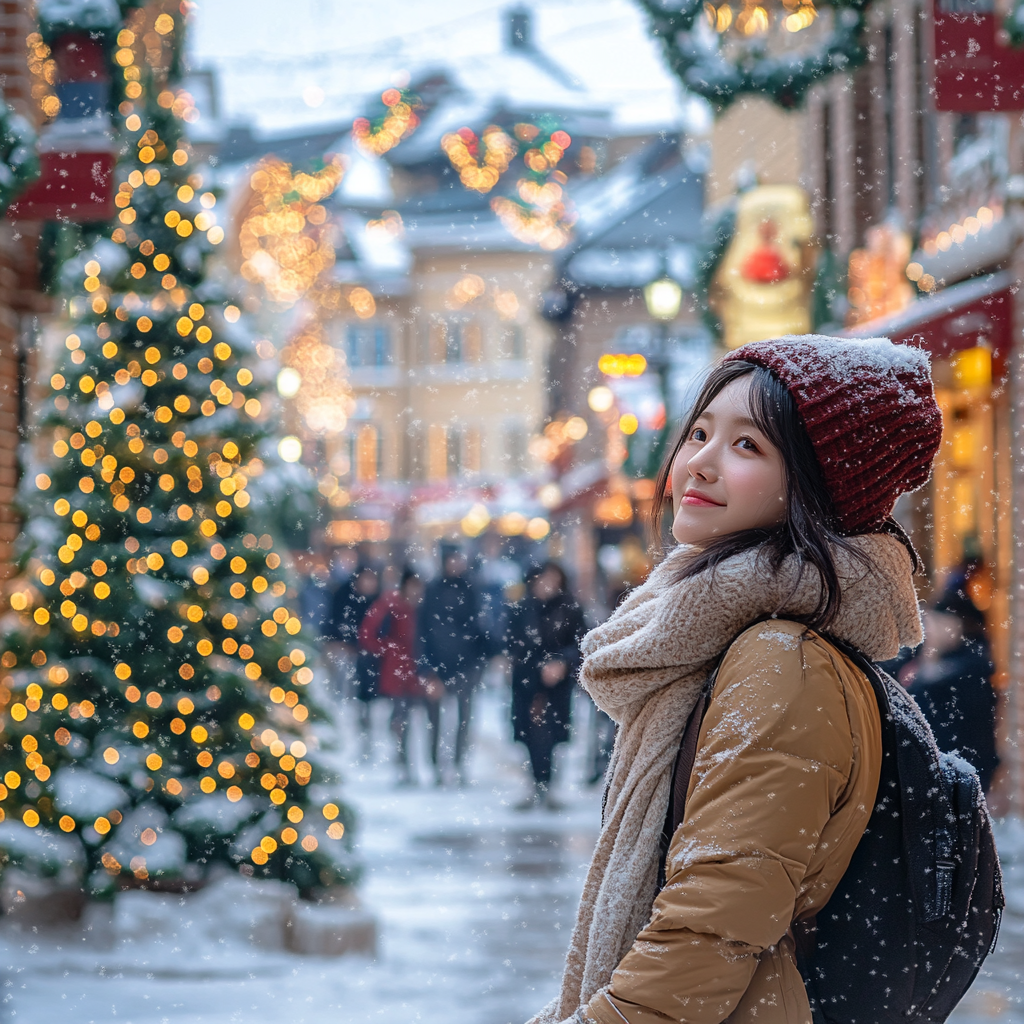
<point x="389" y="631"/>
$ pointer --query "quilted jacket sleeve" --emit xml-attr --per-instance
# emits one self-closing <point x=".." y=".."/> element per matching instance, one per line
<point x="774" y="757"/>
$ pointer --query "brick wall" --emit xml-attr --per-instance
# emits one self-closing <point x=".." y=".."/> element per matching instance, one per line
<point x="21" y="302"/>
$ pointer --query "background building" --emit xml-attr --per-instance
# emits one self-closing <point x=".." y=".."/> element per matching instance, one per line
<point x="460" y="357"/>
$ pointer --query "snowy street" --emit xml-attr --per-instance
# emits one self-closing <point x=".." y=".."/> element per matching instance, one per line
<point x="474" y="903"/>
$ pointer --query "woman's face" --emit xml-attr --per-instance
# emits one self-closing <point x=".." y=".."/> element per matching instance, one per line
<point x="727" y="476"/>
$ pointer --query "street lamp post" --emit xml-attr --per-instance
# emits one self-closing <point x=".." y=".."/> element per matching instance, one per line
<point x="663" y="297"/>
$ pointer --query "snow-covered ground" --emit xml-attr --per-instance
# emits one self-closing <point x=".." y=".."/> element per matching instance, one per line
<point x="474" y="902"/>
<point x="998" y="992"/>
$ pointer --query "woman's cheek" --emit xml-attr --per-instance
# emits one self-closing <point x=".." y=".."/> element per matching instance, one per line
<point x="677" y="483"/>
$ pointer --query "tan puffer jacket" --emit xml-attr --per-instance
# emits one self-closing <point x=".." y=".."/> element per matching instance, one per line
<point x="782" y="787"/>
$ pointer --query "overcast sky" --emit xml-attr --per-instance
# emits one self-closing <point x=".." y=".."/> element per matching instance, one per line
<point x="270" y="54"/>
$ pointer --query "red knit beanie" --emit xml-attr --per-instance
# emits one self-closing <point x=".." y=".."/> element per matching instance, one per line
<point x="870" y="411"/>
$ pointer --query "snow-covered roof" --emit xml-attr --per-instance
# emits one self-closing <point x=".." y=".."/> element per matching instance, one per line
<point x="480" y="89"/>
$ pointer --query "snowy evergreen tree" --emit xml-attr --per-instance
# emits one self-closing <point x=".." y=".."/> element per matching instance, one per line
<point x="155" y="685"/>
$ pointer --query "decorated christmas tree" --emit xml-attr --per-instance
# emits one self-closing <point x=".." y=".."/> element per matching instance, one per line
<point x="155" y="686"/>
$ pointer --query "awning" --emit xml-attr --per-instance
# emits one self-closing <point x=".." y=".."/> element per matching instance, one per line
<point x="975" y="312"/>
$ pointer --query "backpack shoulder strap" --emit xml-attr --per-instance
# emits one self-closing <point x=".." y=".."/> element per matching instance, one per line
<point x="683" y="769"/>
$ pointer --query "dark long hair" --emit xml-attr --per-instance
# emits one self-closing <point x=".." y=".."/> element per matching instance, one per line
<point x="811" y="529"/>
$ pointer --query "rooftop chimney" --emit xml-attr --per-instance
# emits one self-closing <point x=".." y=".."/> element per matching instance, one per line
<point x="520" y="32"/>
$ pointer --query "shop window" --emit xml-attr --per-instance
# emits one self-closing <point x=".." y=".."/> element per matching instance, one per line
<point x="472" y="342"/>
<point x="436" y="342"/>
<point x="969" y="522"/>
<point x="453" y="452"/>
<point x="510" y="342"/>
<point x="368" y="345"/>
<point x="413" y="444"/>
<point x="367" y="453"/>
<point x="472" y="451"/>
<point x="515" y="448"/>
<point x="437" y="452"/>
<point x="454" y="341"/>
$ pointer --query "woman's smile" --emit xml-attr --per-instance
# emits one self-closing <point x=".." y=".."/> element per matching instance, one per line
<point x="701" y="500"/>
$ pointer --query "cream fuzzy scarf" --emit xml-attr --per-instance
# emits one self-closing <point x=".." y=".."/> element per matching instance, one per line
<point x="645" y="666"/>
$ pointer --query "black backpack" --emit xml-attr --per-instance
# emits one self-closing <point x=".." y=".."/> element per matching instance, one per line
<point x="917" y="911"/>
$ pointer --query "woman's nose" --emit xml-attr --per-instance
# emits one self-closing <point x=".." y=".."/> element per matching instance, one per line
<point x="701" y="466"/>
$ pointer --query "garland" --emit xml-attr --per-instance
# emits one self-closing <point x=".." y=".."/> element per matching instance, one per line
<point x="480" y="161"/>
<point x="697" y="60"/>
<point x="537" y="212"/>
<point x="399" y="120"/>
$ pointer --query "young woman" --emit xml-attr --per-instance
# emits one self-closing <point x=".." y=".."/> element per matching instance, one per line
<point x="783" y="483"/>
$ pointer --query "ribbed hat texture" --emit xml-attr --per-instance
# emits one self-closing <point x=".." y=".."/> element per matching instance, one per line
<point x="870" y="411"/>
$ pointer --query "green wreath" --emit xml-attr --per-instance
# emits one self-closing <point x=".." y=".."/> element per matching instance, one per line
<point x="701" y="66"/>
<point x="1013" y="24"/>
<point x="19" y="162"/>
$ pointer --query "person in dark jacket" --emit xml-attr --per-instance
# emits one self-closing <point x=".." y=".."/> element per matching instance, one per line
<point x="452" y="641"/>
<point x="352" y="601"/>
<point x="544" y="632"/>
<point x="341" y="657"/>
<point x="389" y="632"/>
<point x="951" y="680"/>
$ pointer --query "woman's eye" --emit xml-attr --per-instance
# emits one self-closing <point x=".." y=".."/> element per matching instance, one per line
<point x="698" y="434"/>
<point x="747" y="445"/>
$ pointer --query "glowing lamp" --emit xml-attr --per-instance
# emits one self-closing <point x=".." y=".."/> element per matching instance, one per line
<point x="663" y="298"/>
<point x="512" y="524"/>
<point x="576" y="428"/>
<point x="475" y="521"/>
<point x="972" y="367"/>
<point x="538" y="528"/>
<point x="289" y="380"/>
<point x="600" y="399"/>
<point x="550" y="496"/>
<point x="290" y="448"/>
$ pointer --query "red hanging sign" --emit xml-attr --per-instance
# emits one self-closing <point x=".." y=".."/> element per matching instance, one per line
<point x="76" y="151"/>
<point x="975" y="70"/>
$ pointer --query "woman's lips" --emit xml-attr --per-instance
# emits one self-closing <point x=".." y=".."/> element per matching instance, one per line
<point x="700" y="501"/>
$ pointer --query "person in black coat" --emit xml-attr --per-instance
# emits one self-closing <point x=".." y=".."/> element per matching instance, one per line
<point x="452" y="641"/>
<point x="542" y="644"/>
<point x="350" y="604"/>
<point x="951" y="682"/>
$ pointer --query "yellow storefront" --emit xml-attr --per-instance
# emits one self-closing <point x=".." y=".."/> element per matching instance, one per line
<point x="962" y="521"/>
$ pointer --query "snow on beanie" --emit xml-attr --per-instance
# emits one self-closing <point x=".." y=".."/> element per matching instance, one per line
<point x="870" y="411"/>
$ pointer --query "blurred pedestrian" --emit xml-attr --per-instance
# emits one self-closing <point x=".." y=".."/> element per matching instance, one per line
<point x="495" y="572"/>
<point x="389" y="632"/>
<point x="452" y="641"/>
<point x="951" y="679"/>
<point x="315" y="600"/>
<point x="544" y="631"/>
<point x="351" y="602"/>
<point x="340" y="652"/>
